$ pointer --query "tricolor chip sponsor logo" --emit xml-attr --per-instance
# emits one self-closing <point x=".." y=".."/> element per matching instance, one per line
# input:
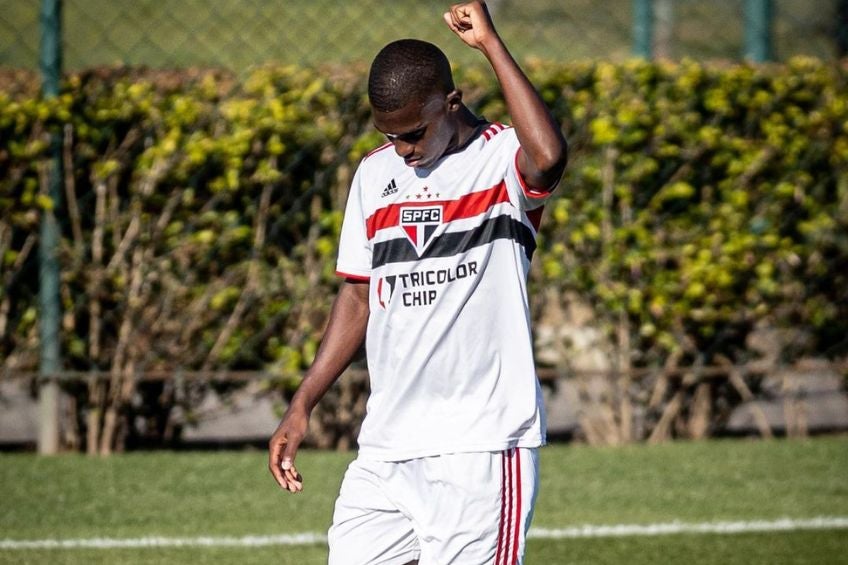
<point x="419" y="223"/>
<point x="421" y="288"/>
<point x="385" y="290"/>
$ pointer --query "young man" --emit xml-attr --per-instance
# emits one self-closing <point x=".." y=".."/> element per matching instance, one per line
<point x="435" y="249"/>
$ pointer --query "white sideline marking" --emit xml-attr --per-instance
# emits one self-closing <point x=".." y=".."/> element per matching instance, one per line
<point x="311" y="538"/>
<point x="627" y="530"/>
<point x="308" y="538"/>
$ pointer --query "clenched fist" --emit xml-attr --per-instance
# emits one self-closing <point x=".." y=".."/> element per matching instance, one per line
<point x="472" y="23"/>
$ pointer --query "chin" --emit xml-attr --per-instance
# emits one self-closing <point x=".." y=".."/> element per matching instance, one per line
<point x="426" y="162"/>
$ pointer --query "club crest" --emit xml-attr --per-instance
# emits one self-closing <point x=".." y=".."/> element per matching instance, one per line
<point x="420" y="223"/>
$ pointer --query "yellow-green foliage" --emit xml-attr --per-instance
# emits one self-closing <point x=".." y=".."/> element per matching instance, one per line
<point x="700" y="200"/>
<point x="703" y="200"/>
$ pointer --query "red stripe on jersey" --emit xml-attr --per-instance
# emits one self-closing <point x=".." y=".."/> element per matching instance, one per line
<point x="530" y="191"/>
<point x="535" y="217"/>
<point x="354" y="277"/>
<point x="467" y="206"/>
<point x="377" y="150"/>
<point x="493" y="130"/>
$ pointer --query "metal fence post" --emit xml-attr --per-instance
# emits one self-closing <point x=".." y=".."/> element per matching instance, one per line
<point x="643" y="28"/>
<point x="842" y="28"/>
<point x="758" y="19"/>
<point x="50" y="55"/>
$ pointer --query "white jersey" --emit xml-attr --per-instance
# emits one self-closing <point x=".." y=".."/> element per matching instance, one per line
<point x="447" y="252"/>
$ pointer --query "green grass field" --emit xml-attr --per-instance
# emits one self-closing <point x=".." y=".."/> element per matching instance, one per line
<point x="231" y="494"/>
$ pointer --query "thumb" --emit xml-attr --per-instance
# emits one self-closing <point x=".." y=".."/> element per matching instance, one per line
<point x="289" y="453"/>
<point x="449" y="20"/>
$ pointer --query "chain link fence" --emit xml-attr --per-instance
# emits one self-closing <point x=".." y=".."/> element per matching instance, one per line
<point x="242" y="33"/>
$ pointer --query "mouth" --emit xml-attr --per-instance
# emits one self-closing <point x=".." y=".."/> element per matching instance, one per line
<point x="419" y="162"/>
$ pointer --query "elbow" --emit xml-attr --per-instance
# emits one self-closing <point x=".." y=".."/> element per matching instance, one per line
<point x="552" y="162"/>
<point x="544" y="166"/>
<point x="560" y="158"/>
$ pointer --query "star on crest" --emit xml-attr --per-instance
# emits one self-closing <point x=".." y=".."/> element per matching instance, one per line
<point x="425" y="193"/>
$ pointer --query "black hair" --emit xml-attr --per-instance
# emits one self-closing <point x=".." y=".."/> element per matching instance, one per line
<point x="407" y="70"/>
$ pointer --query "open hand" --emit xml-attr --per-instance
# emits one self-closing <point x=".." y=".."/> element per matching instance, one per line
<point x="282" y="449"/>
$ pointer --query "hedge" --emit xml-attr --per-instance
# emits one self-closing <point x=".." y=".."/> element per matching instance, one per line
<point x="201" y="212"/>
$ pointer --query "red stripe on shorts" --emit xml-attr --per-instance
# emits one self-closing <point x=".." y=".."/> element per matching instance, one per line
<point x="507" y="552"/>
<point x="503" y="510"/>
<point x="509" y="508"/>
<point x="517" y="506"/>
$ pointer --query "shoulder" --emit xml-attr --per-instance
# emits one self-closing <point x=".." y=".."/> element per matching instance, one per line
<point x="498" y="140"/>
<point x="380" y="161"/>
<point x="488" y="142"/>
<point x="377" y="151"/>
<point x="495" y="129"/>
<point x="375" y="175"/>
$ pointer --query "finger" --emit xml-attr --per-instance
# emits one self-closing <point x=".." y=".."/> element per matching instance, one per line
<point x="290" y="473"/>
<point x="285" y="474"/>
<point x="451" y="21"/>
<point x="274" y="457"/>
<point x="448" y="20"/>
<point x="462" y="17"/>
<point x="294" y="480"/>
<point x="289" y="452"/>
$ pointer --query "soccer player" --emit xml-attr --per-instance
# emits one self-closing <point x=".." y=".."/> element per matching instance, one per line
<point x="435" y="249"/>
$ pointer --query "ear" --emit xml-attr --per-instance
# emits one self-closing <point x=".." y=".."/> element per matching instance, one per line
<point x="454" y="100"/>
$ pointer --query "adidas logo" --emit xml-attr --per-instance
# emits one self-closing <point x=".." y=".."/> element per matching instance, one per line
<point x="391" y="188"/>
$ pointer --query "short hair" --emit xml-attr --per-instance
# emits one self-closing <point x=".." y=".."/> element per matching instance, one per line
<point x="407" y="70"/>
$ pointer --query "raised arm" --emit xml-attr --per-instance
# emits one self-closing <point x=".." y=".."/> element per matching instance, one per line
<point x="342" y="339"/>
<point x="544" y="151"/>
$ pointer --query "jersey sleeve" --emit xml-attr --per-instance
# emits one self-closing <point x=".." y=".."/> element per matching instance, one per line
<point x="354" y="248"/>
<point x="528" y="197"/>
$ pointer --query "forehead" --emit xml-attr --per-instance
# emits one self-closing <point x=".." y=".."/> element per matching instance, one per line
<point x="410" y="117"/>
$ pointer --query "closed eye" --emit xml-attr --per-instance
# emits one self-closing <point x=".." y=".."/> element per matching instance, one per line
<point x="409" y="137"/>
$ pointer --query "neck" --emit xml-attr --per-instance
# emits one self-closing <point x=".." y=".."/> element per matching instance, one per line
<point x="467" y="125"/>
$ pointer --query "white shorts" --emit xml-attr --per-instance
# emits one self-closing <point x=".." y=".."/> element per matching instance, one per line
<point x="462" y="508"/>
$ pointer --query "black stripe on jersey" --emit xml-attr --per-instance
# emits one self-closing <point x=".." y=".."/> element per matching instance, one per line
<point x="401" y="250"/>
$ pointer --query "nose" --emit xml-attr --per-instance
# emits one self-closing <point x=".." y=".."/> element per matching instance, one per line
<point x="403" y="149"/>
